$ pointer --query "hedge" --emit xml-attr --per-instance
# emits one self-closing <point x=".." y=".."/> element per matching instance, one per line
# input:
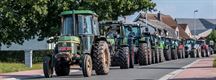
<point x="18" y="56"/>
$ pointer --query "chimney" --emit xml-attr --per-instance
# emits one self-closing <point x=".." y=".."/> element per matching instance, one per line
<point x="159" y="16"/>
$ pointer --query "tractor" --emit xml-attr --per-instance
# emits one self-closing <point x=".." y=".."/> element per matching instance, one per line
<point x="181" y="50"/>
<point x="192" y="49"/>
<point x="188" y="47"/>
<point x="80" y="44"/>
<point x="143" y="42"/>
<point x="120" y="40"/>
<point x="155" y="46"/>
<point x="211" y="46"/>
<point x="167" y="49"/>
<point x="174" y="50"/>
<point x="205" y="52"/>
<point x="128" y="45"/>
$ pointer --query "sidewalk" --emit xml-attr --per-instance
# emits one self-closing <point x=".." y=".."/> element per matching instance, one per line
<point x="22" y="74"/>
<point x="201" y="70"/>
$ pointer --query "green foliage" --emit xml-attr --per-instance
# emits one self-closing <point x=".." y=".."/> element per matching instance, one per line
<point x="18" y="56"/>
<point x="24" y="19"/>
<point x="212" y="36"/>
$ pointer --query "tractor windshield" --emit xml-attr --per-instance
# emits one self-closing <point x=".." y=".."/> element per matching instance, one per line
<point x="67" y="27"/>
<point x="135" y="30"/>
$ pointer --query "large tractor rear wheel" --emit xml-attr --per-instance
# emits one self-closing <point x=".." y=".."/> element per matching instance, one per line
<point x="198" y="52"/>
<point x="123" y="60"/>
<point x="167" y="54"/>
<point x="101" y="58"/>
<point x="62" y="68"/>
<point x="157" y="56"/>
<point x="86" y="65"/>
<point x="174" y="54"/>
<point x="153" y="56"/>
<point x="161" y="56"/>
<point x="203" y="53"/>
<point x="187" y="53"/>
<point x="207" y="52"/>
<point x="47" y="68"/>
<point x="143" y="54"/>
<point x="180" y="54"/>
<point x="183" y="53"/>
<point x="194" y="53"/>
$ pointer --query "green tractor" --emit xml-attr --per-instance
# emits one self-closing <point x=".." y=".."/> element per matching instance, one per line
<point x="174" y="49"/>
<point x="80" y="43"/>
<point x="181" y="49"/>
<point x="192" y="49"/>
<point x="157" y="46"/>
<point x="167" y="49"/>
<point x="127" y="43"/>
<point x="121" y="38"/>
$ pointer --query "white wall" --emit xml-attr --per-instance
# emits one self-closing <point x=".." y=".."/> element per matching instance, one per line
<point x="187" y="30"/>
<point x="33" y="44"/>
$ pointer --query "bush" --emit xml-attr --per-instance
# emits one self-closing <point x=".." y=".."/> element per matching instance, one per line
<point x="18" y="56"/>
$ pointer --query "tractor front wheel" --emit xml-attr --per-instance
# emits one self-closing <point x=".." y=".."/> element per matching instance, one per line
<point x="123" y="60"/>
<point x="62" y="68"/>
<point x="86" y="65"/>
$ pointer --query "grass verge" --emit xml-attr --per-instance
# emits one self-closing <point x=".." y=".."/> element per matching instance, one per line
<point x="214" y="63"/>
<point x="15" y="67"/>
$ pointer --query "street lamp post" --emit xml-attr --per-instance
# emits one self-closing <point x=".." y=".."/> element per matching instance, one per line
<point x="194" y="24"/>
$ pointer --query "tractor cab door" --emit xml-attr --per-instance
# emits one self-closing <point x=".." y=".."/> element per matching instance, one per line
<point x="86" y="31"/>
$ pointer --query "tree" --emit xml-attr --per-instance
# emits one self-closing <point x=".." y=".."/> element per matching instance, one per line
<point x="24" y="19"/>
<point x="212" y="36"/>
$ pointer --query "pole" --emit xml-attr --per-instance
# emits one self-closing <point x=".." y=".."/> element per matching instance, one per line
<point x="28" y="58"/>
<point x="194" y="24"/>
<point x="146" y="23"/>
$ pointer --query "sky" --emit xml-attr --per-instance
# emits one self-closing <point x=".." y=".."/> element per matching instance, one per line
<point x="185" y="8"/>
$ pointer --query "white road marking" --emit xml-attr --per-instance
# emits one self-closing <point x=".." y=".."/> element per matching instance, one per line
<point x="176" y="72"/>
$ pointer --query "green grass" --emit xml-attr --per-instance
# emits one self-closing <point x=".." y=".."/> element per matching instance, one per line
<point x="214" y="63"/>
<point x="15" y="67"/>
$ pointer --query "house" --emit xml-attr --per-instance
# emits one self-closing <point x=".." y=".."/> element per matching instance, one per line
<point x="170" y="31"/>
<point x="166" y="19"/>
<point x="182" y="33"/>
<point x="186" y="29"/>
<point x="199" y="27"/>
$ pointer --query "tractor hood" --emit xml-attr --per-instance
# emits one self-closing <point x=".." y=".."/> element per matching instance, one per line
<point x="73" y="39"/>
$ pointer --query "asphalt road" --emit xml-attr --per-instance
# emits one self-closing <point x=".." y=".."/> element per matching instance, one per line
<point x="150" y="72"/>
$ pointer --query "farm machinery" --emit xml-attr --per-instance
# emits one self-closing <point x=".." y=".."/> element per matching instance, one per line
<point x="80" y="43"/>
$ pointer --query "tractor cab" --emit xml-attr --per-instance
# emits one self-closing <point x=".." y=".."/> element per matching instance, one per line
<point x="78" y="28"/>
<point x="188" y="44"/>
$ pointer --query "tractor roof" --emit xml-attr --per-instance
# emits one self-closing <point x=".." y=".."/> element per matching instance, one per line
<point x="116" y="23"/>
<point x="78" y="12"/>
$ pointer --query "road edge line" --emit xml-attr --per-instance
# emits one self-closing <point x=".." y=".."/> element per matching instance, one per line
<point x="176" y="72"/>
